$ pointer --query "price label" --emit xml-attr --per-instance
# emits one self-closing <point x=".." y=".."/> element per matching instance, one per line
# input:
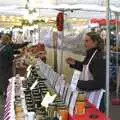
<point x="68" y="96"/>
<point x="48" y="99"/>
<point x="72" y="102"/>
<point x="75" y="79"/>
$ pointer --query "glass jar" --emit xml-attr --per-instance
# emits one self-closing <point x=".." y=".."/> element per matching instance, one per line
<point x="51" y="110"/>
<point x="63" y="112"/>
<point x="80" y="104"/>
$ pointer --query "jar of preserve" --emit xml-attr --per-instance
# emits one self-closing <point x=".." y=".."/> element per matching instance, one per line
<point x="80" y="104"/>
<point x="63" y="112"/>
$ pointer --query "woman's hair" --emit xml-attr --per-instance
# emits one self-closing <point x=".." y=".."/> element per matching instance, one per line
<point x="96" y="38"/>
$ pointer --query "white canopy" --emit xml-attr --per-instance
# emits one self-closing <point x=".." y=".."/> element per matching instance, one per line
<point x="97" y="7"/>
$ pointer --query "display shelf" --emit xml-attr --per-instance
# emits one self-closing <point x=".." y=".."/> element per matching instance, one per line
<point x="28" y="101"/>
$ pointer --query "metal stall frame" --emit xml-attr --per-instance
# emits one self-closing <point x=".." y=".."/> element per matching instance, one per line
<point x="107" y="57"/>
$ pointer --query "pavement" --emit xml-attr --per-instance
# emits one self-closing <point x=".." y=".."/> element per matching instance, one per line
<point x="114" y="109"/>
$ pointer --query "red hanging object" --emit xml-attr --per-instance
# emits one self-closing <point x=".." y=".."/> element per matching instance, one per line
<point x="60" y="21"/>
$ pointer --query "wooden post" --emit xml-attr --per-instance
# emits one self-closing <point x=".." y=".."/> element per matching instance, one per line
<point x="55" y="36"/>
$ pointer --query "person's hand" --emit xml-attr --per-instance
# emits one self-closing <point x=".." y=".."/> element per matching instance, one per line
<point x="70" y="61"/>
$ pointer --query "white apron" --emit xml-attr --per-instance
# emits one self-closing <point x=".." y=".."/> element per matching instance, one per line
<point x="95" y="96"/>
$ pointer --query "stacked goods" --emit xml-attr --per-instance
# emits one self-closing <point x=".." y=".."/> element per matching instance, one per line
<point x="35" y="96"/>
<point x="30" y="56"/>
<point x="37" y="51"/>
<point x="48" y="98"/>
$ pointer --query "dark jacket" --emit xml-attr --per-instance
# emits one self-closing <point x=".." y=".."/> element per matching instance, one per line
<point x="6" y="62"/>
<point x="98" y="69"/>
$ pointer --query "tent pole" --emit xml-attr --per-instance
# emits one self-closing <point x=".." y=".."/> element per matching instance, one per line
<point x="117" y="55"/>
<point x="39" y="27"/>
<point x="62" y="41"/>
<point x="107" y="56"/>
<point x="55" y="37"/>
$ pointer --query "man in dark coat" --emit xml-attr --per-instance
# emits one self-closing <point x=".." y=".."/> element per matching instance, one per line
<point x="7" y="51"/>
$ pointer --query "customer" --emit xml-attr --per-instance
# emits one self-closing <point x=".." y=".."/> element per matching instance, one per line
<point x="92" y="77"/>
<point x="7" y="51"/>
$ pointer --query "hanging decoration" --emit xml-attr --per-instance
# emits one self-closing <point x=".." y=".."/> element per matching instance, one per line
<point x="25" y="22"/>
<point x="60" y="21"/>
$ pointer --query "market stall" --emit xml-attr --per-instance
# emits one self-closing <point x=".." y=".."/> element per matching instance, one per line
<point x="81" y="7"/>
<point x="40" y="96"/>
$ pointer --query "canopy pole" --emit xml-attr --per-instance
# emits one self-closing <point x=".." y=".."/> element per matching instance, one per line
<point x="117" y="56"/>
<point x="55" y="37"/>
<point x="39" y="28"/>
<point x="107" y="56"/>
<point x="62" y="41"/>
